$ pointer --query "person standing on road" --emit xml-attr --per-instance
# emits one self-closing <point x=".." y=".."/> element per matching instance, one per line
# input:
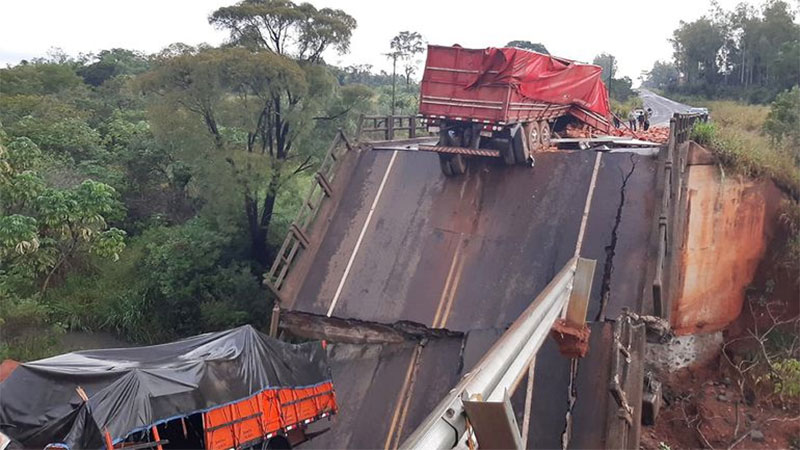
<point x="632" y="120"/>
<point x="647" y="113"/>
<point x="640" y="119"/>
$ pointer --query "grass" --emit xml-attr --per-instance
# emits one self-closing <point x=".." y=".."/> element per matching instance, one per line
<point x="736" y="137"/>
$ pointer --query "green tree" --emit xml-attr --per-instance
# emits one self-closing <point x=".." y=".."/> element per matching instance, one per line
<point x="609" y="64"/>
<point x="748" y="52"/>
<point x="192" y="80"/>
<point x="407" y="45"/>
<point x="662" y="76"/>
<point x="285" y="28"/>
<point x="111" y="63"/>
<point x="275" y="100"/>
<point x="619" y="89"/>
<point x="528" y="45"/>
<point x="44" y="227"/>
<point x="70" y="137"/>
<point x="696" y="47"/>
<point x="38" y="78"/>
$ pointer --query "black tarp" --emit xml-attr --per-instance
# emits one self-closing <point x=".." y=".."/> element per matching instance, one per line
<point x="130" y="389"/>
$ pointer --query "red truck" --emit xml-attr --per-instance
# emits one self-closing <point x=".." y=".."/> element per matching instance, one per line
<point x="505" y="102"/>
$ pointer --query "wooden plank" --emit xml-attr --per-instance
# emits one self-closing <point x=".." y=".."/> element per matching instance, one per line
<point x="323" y="183"/>
<point x="299" y="234"/>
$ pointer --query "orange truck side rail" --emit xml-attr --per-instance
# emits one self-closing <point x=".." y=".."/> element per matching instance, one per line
<point x="267" y="414"/>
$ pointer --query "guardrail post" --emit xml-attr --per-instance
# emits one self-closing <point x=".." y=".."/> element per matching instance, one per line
<point x="579" y="297"/>
<point x="389" y="128"/>
<point x="359" y="127"/>
<point x="412" y="127"/>
<point x="274" y="320"/>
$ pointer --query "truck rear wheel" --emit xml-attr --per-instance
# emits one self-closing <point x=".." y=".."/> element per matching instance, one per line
<point x="533" y="134"/>
<point x="444" y="163"/>
<point x="458" y="164"/>
<point x="452" y="165"/>
<point x="544" y="133"/>
<point x="520" y="144"/>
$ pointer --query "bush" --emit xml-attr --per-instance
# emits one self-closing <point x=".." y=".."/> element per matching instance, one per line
<point x="25" y="332"/>
<point x="786" y="378"/>
<point x="704" y="133"/>
<point x="171" y="282"/>
<point x="782" y="124"/>
<point x="192" y="283"/>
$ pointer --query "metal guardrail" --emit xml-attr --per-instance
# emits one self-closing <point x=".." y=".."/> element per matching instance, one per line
<point x="502" y="368"/>
<point x="680" y="128"/>
<point x="388" y="126"/>
<point x="297" y="237"/>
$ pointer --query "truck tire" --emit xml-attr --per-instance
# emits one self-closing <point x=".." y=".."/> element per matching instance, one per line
<point x="544" y="133"/>
<point x="444" y="163"/>
<point x="520" y="144"/>
<point x="458" y="164"/>
<point x="533" y="134"/>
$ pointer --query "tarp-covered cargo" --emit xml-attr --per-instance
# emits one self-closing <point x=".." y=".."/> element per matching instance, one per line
<point x="545" y="78"/>
<point x="131" y="389"/>
<point x="508" y="85"/>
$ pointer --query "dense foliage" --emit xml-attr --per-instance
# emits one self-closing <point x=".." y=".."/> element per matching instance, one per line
<point x="145" y="194"/>
<point x="746" y="53"/>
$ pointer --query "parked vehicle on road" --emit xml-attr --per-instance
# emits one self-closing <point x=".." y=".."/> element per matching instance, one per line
<point x="505" y="102"/>
<point x="698" y="110"/>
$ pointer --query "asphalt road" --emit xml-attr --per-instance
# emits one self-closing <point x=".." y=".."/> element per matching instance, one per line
<point x="663" y="108"/>
<point x="469" y="254"/>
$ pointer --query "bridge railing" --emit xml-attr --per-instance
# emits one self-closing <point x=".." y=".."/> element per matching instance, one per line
<point x="502" y="368"/>
<point x="625" y="385"/>
<point x="369" y="128"/>
<point x="297" y="238"/>
<point x="389" y="127"/>
<point x="680" y="129"/>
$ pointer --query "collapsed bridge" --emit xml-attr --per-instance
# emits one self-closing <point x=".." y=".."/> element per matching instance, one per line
<point x="385" y="237"/>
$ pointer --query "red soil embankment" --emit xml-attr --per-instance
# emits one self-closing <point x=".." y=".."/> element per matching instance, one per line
<point x="729" y="222"/>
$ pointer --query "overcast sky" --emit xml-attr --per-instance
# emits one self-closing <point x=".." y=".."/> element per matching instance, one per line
<point x="636" y="32"/>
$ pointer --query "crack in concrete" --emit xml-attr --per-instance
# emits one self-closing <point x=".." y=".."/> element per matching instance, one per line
<point x="572" y="398"/>
<point x="605" y="287"/>
<point x="605" y="290"/>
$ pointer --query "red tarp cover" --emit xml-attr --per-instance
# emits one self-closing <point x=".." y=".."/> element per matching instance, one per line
<point x="545" y="78"/>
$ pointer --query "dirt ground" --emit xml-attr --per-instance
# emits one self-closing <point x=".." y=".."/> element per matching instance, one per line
<point x="717" y="406"/>
<point x="704" y="408"/>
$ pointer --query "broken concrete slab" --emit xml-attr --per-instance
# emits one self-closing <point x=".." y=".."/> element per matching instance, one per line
<point x="683" y="351"/>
